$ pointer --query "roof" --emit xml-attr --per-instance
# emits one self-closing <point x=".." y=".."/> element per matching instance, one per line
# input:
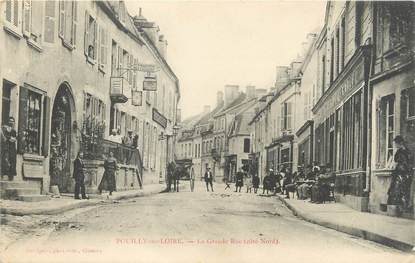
<point x="205" y="119"/>
<point x="240" y="124"/>
<point x="236" y="102"/>
<point x="140" y="36"/>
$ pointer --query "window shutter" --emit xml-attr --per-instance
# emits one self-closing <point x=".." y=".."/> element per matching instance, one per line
<point x="94" y="36"/>
<point x="9" y="11"/>
<point x="74" y="22"/>
<point x="46" y="126"/>
<point x="27" y="12"/>
<point x="49" y="35"/>
<point x="16" y="13"/>
<point x="61" y="18"/>
<point x="23" y="99"/>
<point x="86" y="36"/>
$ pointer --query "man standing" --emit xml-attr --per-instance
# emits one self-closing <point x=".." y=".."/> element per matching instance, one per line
<point x="9" y="151"/>
<point x="208" y="179"/>
<point x="78" y="174"/>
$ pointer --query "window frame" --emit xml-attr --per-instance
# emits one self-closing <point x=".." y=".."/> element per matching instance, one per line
<point x="10" y="26"/>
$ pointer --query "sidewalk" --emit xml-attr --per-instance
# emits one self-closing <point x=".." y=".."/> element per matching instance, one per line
<point x="67" y="202"/>
<point x="394" y="232"/>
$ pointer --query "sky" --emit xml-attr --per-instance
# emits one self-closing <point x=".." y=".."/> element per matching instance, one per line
<point x="214" y="43"/>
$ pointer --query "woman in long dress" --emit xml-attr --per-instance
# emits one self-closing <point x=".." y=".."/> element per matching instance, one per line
<point x="399" y="190"/>
<point x="108" y="179"/>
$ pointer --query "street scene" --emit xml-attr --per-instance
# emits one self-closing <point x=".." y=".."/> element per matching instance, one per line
<point x="207" y="131"/>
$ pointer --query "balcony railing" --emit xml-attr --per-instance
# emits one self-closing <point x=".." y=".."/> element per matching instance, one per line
<point x="119" y="90"/>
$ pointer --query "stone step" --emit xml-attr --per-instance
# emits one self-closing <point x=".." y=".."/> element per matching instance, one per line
<point x="15" y="192"/>
<point x="14" y="184"/>
<point x="33" y="198"/>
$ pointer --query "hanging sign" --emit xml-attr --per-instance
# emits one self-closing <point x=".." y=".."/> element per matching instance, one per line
<point x="146" y="67"/>
<point x="137" y="98"/>
<point x="150" y="83"/>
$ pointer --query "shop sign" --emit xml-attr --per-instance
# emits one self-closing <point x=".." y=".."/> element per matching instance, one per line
<point x="159" y="118"/>
<point x="150" y="83"/>
<point x="137" y="98"/>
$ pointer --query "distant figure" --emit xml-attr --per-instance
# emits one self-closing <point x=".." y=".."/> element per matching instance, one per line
<point x="176" y="177"/>
<point x="78" y="175"/>
<point x="170" y="174"/>
<point x="239" y="180"/>
<point x="227" y="183"/>
<point x="129" y="139"/>
<point x="192" y="179"/>
<point x="255" y="182"/>
<point x="8" y="150"/>
<point x="209" y="179"/>
<point x="108" y="179"/>
<point x="135" y="141"/>
<point x="248" y="183"/>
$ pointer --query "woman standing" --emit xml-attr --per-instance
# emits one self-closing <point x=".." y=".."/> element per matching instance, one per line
<point x="399" y="190"/>
<point x="108" y="179"/>
<point x="255" y="182"/>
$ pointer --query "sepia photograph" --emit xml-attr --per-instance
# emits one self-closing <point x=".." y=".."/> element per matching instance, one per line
<point x="198" y="131"/>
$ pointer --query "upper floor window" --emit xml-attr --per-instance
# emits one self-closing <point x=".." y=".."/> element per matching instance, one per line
<point x="90" y="37"/>
<point x="103" y="48"/>
<point x="12" y="13"/>
<point x="68" y="20"/>
<point x="286" y="116"/>
<point x="32" y="21"/>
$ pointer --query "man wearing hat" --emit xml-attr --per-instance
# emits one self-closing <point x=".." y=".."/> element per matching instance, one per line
<point x="8" y="150"/>
<point x="129" y="139"/>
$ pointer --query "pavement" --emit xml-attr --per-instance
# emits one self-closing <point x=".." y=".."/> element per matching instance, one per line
<point x="66" y="202"/>
<point x="394" y="232"/>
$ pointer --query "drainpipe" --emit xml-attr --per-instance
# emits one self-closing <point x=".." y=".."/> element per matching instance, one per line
<point x="369" y="92"/>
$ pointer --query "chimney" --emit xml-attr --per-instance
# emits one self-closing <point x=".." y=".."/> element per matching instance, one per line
<point x="162" y="46"/>
<point x="295" y="69"/>
<point x="219" y="98"/>
<point x="206" y="109"/>
<point x="178" y="115"/>
<point x="150" y="28"/>
<point x="260" y="92"/>
<point x="250" y="92"/>
<point x="282" y="77"/>
<point x="231" y="93"/>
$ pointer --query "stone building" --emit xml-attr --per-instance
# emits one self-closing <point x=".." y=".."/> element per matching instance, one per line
<point x="392" y="88"/>
<point x="74" y="71"/>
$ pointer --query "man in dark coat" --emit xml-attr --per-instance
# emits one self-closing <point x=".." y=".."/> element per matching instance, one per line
<point x="209" y="179"/>
<point x="8" y="150"/>
<point x="78" y="175"/>
<point x="239" y="180"/>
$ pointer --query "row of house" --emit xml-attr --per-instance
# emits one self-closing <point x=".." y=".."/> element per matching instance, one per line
<point x="341" y="103"/>
<point x="73" y="71"/>
<point x="219" y="138"/>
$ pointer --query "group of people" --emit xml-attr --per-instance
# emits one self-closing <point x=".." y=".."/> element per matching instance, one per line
<point x="129" y="140"/>
<point x="107" y="183"/>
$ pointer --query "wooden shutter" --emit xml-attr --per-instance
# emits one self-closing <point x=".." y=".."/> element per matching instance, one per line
<point x="74" y="22"/>
<point x="86" y="36"/>
<point x="49" y="33"/>
<point x="27" y="13"/>
<point x="94" y="36"/>
<point x="9" y="11"/>
<point x="61" y="18"/>
<point x="46" y="126"/>
<point x="23" y="99"/>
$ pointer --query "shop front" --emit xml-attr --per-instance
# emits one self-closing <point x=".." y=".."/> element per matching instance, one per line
<point x="340" y="130"/>
<point x="394" y="114"/>
<point x="305" y="145"/>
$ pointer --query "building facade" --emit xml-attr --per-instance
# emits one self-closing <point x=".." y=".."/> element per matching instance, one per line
<point x="73" y="72"/>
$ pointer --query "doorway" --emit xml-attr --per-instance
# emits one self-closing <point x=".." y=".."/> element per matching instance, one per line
<point x="60" y="146"/>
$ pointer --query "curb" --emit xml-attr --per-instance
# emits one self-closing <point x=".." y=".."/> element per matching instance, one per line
<point x="80" y="204"/>
<point x="367" y="235"/>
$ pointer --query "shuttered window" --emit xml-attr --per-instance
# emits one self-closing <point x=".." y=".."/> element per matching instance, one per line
<point x="103" y="48"/>
<point x="50" y="18"/>
<point x="68" y="20"/>
<point x="90" y="37"/>
<point x="12" y="15"/>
